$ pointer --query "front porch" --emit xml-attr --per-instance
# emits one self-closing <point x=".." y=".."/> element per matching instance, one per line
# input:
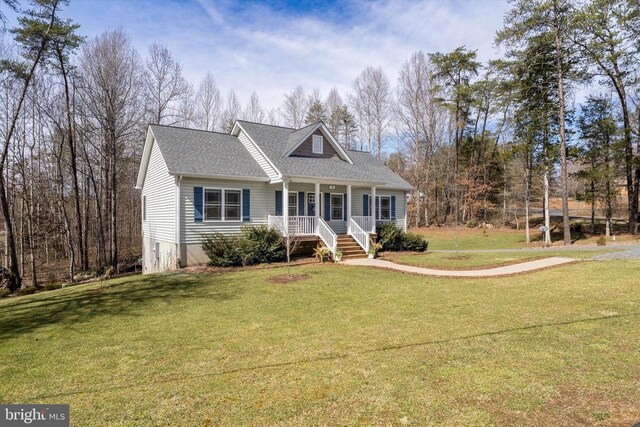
<point x="316" y="228"/>
<point x="331" y="212"/>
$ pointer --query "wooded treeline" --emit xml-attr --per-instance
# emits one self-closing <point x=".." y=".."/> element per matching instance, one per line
<point x="478" y="141"/>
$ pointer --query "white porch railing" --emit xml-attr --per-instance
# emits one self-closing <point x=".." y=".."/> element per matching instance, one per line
<point x="360" y="236"/>
<point x="298" y="225"/>
<point x="302" y="225"/>
<point x="327" y="235"/>
<point x="276" y="222"/>
<point x="366" y="223"/>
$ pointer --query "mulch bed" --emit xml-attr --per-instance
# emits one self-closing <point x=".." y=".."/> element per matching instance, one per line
<point x="283" y="279"/>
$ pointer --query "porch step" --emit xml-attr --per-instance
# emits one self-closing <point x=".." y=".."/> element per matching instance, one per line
<point x="350" y="248"/>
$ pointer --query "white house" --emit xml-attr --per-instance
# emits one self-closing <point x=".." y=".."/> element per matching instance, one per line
<point x="195" y="182"/>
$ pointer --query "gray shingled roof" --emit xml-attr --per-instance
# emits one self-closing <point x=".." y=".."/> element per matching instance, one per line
<point x="274" y="141"/>
<point x="198" y="152"/>
<point x="295" y="136"/>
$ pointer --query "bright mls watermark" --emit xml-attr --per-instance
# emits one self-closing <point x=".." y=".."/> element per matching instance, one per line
<point x="34" y="415"/>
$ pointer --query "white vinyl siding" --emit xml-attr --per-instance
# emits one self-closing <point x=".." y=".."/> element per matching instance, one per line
<point x="261" y="159"/>
<point x="158" y="193"/>
<point x="262" y="197"/>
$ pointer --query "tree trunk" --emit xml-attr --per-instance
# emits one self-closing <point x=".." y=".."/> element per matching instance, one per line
<point x="566" y="225"/>
<point x="545" y="202"/>
<point x="593" y="207"/>
<point x="527" y="196"/>
<point x="84" y="262"/>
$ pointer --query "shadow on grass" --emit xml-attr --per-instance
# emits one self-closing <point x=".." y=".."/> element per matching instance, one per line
<point x="128" y="297"/>
<point x="398" y="347"/>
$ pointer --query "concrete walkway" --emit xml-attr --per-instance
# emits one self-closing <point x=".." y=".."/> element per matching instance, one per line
<point x="506" y="270"/>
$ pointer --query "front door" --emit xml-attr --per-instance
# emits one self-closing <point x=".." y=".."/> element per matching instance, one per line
<point x="311" y="204"/>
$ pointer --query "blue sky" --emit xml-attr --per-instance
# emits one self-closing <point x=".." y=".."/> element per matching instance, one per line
<point x="271" y="47"/>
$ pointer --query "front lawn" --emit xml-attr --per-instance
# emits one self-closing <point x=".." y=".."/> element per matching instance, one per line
<point x="452" y="238"/>
<point x="477" y="260"/>
<point x="346" y="346"/>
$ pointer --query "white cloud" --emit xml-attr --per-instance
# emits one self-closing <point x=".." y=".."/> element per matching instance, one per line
<point x="254" y="48"/>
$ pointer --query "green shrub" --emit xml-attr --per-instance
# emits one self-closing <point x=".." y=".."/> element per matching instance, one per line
<point x="471" y="223"/>
<point x="601" y="241"/>
<point x="27" y="291"/>
<point x="4" y="292"/>
<point x="52" y="286"/>
<point x="389" y="236"/>
<point x="414" y="242"/>
<point x="393" y="238"/>
<point x="262" y="245"/>
<point x="223" y="251"/>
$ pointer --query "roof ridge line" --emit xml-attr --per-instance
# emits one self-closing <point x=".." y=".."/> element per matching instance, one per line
<point x="266" y="124"/>
<point x="186" y="128"/>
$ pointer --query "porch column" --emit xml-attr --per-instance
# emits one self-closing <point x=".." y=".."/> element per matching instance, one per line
<point x="373" y="209"/>
<point x="405" y="211"/>
<point x="348" y="202"/>
<point x="317" y="209"/>
<point x="285" y="206"/>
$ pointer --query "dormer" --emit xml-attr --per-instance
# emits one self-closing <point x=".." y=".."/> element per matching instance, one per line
<point x="315" y="141"/>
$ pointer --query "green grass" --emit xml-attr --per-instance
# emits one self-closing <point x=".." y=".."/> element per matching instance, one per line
<point x="451" y="238"/>
<point x="475" y="260"/>
<point x="348" y="346"/>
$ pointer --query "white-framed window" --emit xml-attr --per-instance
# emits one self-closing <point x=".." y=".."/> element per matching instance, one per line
<point x="232" y="205"/>
<point x="318" y="143"/>
<point x="144" y="208"/>
<point x="293" y="203"/>
<point x="222" y="204"/>
<point x="383" y="208"/>
<point x="336" y="207"/>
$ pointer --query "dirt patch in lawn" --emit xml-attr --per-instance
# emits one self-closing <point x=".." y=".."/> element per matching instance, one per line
<point x="283" y="279"/>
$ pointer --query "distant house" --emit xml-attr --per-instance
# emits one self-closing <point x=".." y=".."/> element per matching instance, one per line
<point x="195" y="182"/>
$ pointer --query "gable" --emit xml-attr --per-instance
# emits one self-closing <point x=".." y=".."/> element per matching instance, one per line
<point x="305" y="136"/>
<point x="305" y="149"/>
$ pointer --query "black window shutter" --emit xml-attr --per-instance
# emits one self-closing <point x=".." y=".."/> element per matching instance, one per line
<point x="365" y="205"/>
<point x="327" y="206"/>
<point x="278" y="203"/>
<point x="393" y="208"/>
<point x="344" y="207"/>
<point x="197" y="204"/>
<point x="301" y="203"/>
<point x="246" y="205"/>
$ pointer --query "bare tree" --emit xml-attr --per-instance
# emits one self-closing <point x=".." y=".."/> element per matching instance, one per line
<point x="273" y="117"/>
<point x="110" y="94"/>
<point x="35" y="40"/>
<point x="232" y="111"/>
<point x="208" y="105"/>
<point x="420" y="119"/>
<point x="294" y="108"/>
<point x="373" y="103"/>
<point x="164" y="86"/>
<point x="332" y="104"/>
<point x="254" y="112"/>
